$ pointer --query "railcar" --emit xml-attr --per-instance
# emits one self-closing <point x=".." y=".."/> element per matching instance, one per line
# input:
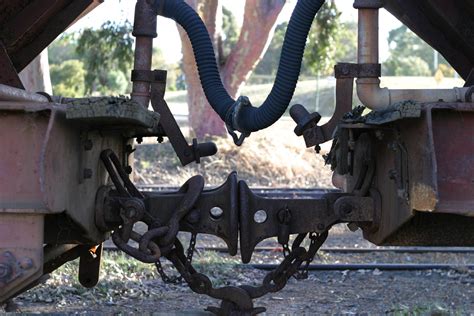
<point x="405" y="171"/>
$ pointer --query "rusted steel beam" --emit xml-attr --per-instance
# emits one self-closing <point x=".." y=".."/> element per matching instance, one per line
<point x="22" y="55"/>
<point x="27" y="21"/>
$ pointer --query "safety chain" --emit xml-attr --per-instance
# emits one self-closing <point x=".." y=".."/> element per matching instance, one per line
<point x="238" y="299"/>
<point x="161" y="240"/>
<point x="160" y="237"/>
<point x="189" y="259"/>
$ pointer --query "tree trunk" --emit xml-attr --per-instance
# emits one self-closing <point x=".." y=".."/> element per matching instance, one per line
<point x="255" y="35"/>
<point x="35" y="77"/>
<point x="202" y="118"/>
<point x="257" y="29"/>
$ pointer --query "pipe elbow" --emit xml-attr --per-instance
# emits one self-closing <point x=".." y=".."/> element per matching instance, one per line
<point x="371" y="94"/>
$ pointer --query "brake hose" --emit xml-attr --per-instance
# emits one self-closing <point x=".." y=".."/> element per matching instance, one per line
<point x="239" y="114"/>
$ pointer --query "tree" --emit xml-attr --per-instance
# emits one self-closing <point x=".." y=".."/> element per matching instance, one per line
<point x="236" y="65"/>
<point x="321" y="48"/>
<point x="336" y="43"/>
<point x="68" y="78"/>
<point x="35" y="77"/>
<point x="269" y="63"/>
<point x="407" y="66"/>
<point x="411" y="56"/>
<point x="107" y="54"/>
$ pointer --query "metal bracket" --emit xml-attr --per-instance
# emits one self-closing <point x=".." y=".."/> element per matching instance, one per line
<point x="233" y="209"/>
<point x="185" y="152"/>
<point x="345" y="73"/>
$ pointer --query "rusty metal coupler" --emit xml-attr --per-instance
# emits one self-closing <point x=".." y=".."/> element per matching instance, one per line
<point x="228" y="212"/>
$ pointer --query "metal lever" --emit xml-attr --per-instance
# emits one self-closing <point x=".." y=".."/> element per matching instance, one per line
<point x="185" y="152"/>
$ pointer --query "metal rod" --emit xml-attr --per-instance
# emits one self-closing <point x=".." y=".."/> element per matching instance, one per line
<point x="8" y="93"/>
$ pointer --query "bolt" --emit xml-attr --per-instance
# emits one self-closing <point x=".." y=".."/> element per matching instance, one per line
<point x="260" y="216"/>
<point x="87" y="173"/>
<point x="88" y="144"/>
<point x="5" y="271"/>
<point x="284" y="216"/>
<point x="216" y="212"/>
<point x="26" y="263"/>
<point x="321" y="226"/>
<point x="346" y="208"/>
<point x="128" y="169"/>
<point x="379" y="134"/>
<point x="393" y="174"/>
<point x="193" y="217"/>
<point x="129" y="148"/>
<point x="130" y="212"/>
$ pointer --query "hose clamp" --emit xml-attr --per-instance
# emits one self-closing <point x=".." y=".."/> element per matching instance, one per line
<point x="232" y="119"/>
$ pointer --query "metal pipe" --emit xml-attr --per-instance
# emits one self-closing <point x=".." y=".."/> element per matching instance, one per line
<point x="8" y="93"/>
<point x="368" y="89"/>
<point x="144" y="29"/>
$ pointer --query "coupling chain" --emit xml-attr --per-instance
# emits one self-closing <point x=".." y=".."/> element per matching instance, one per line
<point x="239" y="298"/>
<point x="189" y="259"/>
<point x="160" y="237"/>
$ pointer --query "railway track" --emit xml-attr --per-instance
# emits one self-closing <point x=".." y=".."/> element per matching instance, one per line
<point x="373" y="266"/>
<point x="265" y="192"/>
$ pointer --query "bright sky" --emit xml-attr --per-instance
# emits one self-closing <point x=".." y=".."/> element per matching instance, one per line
<point x="168" y="39"/>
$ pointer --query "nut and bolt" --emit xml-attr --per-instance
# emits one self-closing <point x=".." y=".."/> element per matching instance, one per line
<point x="128" y="169"/>
<point x="88" y="144"/>
<point x="346" y="209"/>
<point x="5" y="271"/>
<point x="26" y="263"/>
<point x="87" y="173"/>
<point x="260" y="216"/>
<point x="193" y="217"/>
<point x="216" y="213"/>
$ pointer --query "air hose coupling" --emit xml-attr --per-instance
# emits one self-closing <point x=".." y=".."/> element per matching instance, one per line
<point x="232" y="120"/>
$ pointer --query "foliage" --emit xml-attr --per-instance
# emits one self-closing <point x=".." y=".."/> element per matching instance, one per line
<point x="346" y="43"/>
<point x="62" y="49"/>
<point x="174" y="80"/>
<point x="407" y="66"/>
<point x="411" y="56"/>
<point x="107" y="54"/>
<point x="230" y="32"/>
<point x="330" y="41"/>
<point x="321" y="48"/>
<point x="269" y="63"/>
<point x="68" y="78"/>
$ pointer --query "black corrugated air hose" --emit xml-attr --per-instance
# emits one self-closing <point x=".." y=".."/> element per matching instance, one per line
<point x="240" y="115"/>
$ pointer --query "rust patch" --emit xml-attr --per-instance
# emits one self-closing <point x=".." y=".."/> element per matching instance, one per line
<point x="423" y="197"/>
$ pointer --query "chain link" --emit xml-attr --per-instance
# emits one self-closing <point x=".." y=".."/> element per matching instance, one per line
<point x="162" y="240"/>
<point x="189" y="258"/>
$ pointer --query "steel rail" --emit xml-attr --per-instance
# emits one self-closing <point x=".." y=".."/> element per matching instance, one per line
<point x="362" y="250"/>
<point x="281" y="193"/>
<point x="371" y="266"/>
